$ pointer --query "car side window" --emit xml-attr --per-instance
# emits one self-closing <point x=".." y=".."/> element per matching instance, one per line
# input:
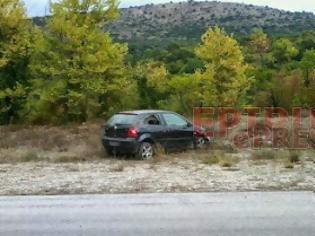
<point x="174" y="120"/>
<point x="151" y="120"/>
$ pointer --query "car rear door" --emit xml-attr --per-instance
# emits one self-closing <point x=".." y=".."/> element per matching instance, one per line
<point x="179" y="131"/>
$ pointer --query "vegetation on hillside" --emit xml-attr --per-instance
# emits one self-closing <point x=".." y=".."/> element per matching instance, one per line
<point x="187" y="20"/>
<point x="70" y="70"/>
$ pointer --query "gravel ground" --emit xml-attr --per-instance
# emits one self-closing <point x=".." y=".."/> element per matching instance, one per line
<point x="70" y="160"/>
<point x="170" y="175"/>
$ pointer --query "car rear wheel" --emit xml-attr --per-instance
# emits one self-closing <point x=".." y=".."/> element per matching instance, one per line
<point x="146" y="151"/>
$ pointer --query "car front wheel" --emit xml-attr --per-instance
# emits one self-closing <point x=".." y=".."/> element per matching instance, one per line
<point x="146" y="151"/>
<point x="200" y="143"/>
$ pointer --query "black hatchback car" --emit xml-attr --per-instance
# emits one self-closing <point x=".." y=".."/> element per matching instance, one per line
<point x="140" y="132"/>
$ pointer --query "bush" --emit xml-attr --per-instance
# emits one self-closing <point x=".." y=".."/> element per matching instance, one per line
<point x="264" y="155"/>
<point x="289" y="166"/>
<point x="221" y="158"/>
<point x="211" y="159"/>
<point x="294" y="157"/>
<point x="30" y="156"/>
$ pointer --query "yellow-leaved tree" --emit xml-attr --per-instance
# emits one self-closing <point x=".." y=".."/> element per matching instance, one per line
<point x="79" y="72"/>
<point x="223" y="81"/>
<point x="16" y="33"/>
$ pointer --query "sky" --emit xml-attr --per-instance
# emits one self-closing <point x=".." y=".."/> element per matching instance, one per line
<point x="40" y="7"/>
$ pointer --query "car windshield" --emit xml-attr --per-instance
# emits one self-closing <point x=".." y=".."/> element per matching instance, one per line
<point x="124" y="119"/>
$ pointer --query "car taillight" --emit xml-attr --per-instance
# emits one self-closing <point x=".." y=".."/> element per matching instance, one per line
<point x="132" y="133"/>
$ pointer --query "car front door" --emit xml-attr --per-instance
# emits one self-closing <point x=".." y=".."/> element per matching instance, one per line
<point x="156" y="129"/>
<point x="179" y="131"/>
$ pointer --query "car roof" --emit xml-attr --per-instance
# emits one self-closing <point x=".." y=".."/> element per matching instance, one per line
<point x="139" y="112"/>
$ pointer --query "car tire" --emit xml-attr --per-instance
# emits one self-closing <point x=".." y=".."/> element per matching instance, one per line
<point x="200" y="143"/>
<point x="146" y="151"/>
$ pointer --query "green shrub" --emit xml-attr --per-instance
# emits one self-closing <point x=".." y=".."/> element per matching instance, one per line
<point x="289" y="166"/>
<point x="221" y="158"/>
<point x="294" y="157"/>
<point x="30" y="156"/>
<point x="211" y="159"/>
<point x="264" y="155"/>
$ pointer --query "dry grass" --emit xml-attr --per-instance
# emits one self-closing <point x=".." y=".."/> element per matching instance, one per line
<point x="66" y="159"/>
<point x="221" y="158"/>
<point x="30" y="156"/>
<point x="289" y="165"/>
<point x="229" y="161"/>
<point x="78" y="143"/>
<point x="275" y="154"/>
<point x="289" y="158"/>
<point x="210" y="159"/>
<point x="293" y="158"/>
<point x="264" y="154"/>
<point x="69" y="143"/>
<point x="159" y="154"/>
<point x="118" y="167"/>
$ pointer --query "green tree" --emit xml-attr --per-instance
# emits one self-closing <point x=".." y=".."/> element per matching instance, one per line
<point x="306" y="41"/>
<point x="259" y="44"/>
<point x="308" y="66"/>
<point x="284" y="50"/>
<point x="188" y="91"/>
<point x="15" y="49"/>
<point x="260" y="93"/>
<point x="79" y="72"/>
<point x="152" y="79"/>
<point x="224" y="78"/>
<point x="293" y="86"/>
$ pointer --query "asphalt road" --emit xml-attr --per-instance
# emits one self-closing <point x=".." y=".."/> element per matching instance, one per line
<point x="278" y="213"/>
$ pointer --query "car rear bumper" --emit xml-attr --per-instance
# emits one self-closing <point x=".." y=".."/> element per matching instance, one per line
<point x="124" y="146"/>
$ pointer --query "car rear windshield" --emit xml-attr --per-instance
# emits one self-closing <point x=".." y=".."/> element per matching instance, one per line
<point x="123" y="119"/>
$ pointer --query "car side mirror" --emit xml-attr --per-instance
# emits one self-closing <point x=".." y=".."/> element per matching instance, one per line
<point x="189" y="124"/>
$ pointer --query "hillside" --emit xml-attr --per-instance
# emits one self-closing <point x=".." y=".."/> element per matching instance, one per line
<point x="188" y="20"/>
